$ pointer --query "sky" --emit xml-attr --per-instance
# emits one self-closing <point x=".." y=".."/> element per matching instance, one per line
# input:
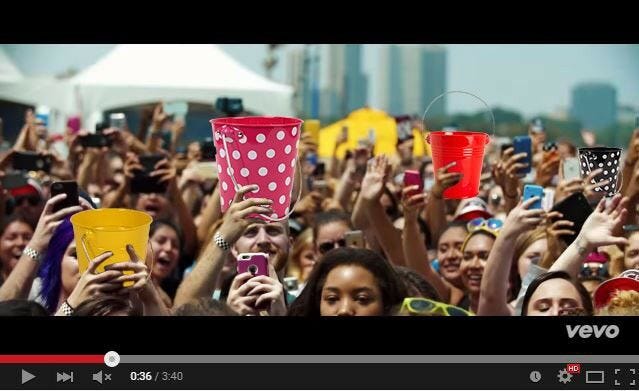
<point x="531" y="79"/>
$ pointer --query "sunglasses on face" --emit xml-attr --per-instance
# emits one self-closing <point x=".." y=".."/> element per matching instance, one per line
<point x="328" y="246"/>
<point x="492" y="224"/>
<point x="33" y="200"/>
<point x="593" y="270"/>
<point x="423" y="306"/>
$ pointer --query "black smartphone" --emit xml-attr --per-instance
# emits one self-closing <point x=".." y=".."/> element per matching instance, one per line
<point x="31" y="161"/>
<point x="575" y="208"/>
<point x="320" y="170"/>
<point x="142" y="181"/>
<point x="14" y="180"/>
<point x="95" y="140"/>
<point x="70" y="188"/>
<point x="207" y="150"/>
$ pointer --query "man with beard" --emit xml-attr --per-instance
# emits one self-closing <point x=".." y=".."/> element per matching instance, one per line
<point x="241" y="233"/>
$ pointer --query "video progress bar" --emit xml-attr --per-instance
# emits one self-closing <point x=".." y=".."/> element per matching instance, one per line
<point x="379" y="359"/>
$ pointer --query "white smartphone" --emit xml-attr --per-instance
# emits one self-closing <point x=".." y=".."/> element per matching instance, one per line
<point x="571" y="169"/>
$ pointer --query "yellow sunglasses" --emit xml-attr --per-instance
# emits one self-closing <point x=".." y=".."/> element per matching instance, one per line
<point x="423" y="306"/>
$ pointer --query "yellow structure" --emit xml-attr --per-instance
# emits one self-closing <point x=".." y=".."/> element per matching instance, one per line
<point x="359" y="122"/>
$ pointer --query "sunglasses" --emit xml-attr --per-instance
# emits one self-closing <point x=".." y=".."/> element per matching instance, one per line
<point x="492" y="224"/>
<point x="593" y="270"/>
<point x="423" y="306"/>
<point x="328" y="246"/>
<point x="33" y="200"/>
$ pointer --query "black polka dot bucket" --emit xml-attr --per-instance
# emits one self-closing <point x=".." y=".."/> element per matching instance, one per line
<point x="606" y="159"/>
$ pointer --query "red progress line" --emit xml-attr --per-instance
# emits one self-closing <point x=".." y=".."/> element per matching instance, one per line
<point x="51" y="359"/>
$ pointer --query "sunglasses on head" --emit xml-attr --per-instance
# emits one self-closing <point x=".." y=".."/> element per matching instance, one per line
<point x="33" y="200"/>
<point x="490" y="224"/>
<point x="423" y="306"/>
<point x="328" y="246"/>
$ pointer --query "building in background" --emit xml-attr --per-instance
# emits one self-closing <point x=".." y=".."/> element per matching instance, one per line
<point x="594" y="105"/>
<point x="328" y="80"/>
<point x="410" y="77"/>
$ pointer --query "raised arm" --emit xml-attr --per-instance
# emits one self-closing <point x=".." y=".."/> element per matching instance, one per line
<point x="602" y="228"/>
<point x="493" y="299"/>
<point x="435" y="211"/>
<point x="18" y="284"/>
<point x="415" y="252"/>
<point x="201" y="281"/>
<point x="373" y="184"/>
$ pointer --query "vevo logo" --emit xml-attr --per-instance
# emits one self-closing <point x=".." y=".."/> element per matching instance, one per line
<point x="585" y="331"/>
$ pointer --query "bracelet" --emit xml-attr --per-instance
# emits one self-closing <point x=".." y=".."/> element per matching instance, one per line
<point x="66" y="308"/>
<point x="33" y="254"/>
<point x="221" y="243"/>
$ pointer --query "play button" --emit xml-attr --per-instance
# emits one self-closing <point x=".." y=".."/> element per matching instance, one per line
<point x="26" y="376"/>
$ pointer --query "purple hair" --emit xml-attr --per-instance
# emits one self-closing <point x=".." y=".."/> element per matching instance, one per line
<point x="51" y="268"/>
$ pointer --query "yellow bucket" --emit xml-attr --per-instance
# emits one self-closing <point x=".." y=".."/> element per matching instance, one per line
<point x="110" y="229"/>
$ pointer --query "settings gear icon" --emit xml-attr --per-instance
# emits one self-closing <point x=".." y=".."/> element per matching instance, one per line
<point x="564" y="376"/>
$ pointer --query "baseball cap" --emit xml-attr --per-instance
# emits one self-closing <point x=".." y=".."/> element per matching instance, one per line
<point x="31" y="188"/>
<point x="472" y="208"/>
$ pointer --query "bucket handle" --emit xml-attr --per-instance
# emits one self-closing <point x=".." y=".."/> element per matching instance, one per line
<point x="85" y="248"/>
<point x="619" y="171"/>
<point x="236" y="186"/>
<point x="492" y="116"/>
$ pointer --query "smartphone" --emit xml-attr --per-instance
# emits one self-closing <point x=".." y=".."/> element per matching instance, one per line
<point x="14" y="180"/>
<point x="207" y="150"/>
<point x="320" y="170"/>
<point x="574" y="208"/>
<point x="176" y="109"/>
<point x="95" y="140"/>
<point x="571" y="169"/>
<point x="371" y="136"/>
<point x="320" y="186"/>
<point x="255" y="263"/>
<point x="117" y="120"/>
<point x="31" y="161"/>
<point x="291" y="284"/>
<point x="70" y="188"/>
<point x="523" y="144"/>
<point x="142" y="181"/>
<point x="531" y="191"/>
<point x="412" y="178"/>
<point x="354" y="239"/>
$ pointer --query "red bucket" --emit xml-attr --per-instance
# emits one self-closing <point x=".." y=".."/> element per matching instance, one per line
<point x="258" y="151"/>
<point x="466" y="149"/>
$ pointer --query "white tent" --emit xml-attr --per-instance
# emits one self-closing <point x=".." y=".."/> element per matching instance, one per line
<point x="8" y="71"/>
<point x="136" y="74"/>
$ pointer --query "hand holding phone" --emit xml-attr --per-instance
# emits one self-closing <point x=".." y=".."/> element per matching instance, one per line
<point x="142" y="181"/>
<point x="412" y="178"/>
<point x="523" y="144"/>
<point x="70" y="188"/>
<point x="31" y="161"/>
<point x="254" y="263"/>
<point x="571" y="169"/>
<point x="531" y="191"/>
<point x="354" y="239"/>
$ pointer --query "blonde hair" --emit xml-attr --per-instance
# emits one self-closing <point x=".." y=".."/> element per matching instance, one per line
<point x="303" y="242"/>
<point x="622" y="303"/>
<point x="526" y="240"/>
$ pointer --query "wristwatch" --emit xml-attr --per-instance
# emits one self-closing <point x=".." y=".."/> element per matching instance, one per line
<point x="221" y="242"/>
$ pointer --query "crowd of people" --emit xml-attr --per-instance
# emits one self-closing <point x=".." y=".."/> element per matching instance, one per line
<point x="358" y="242"/>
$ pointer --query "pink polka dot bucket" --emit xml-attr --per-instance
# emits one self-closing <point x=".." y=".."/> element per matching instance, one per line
<point x="258" y="151"/>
